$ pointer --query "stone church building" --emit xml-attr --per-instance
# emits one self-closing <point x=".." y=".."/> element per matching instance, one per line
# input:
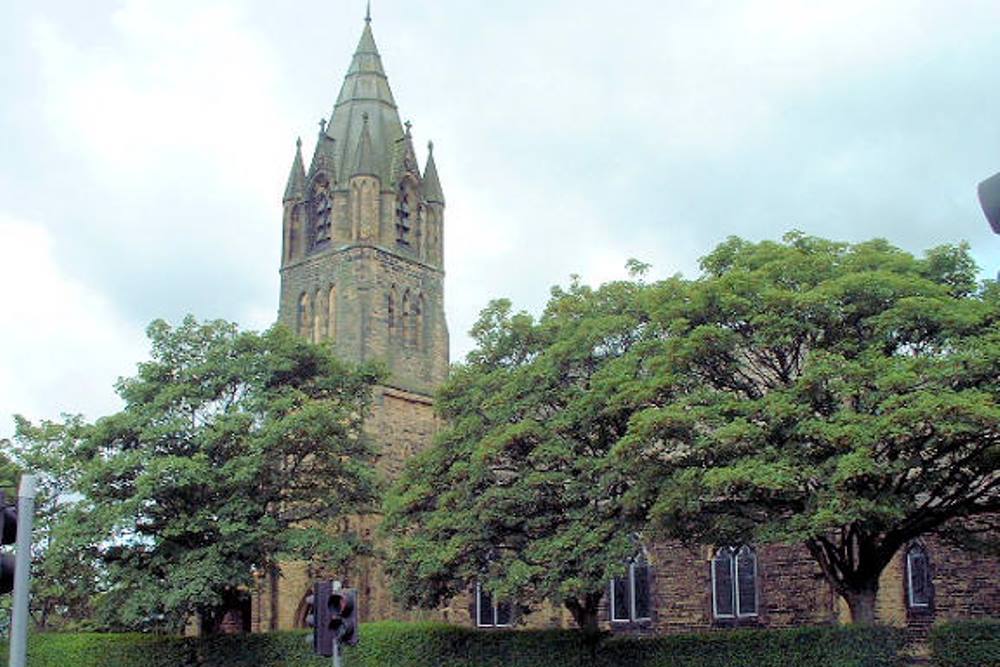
<point x="362" y="267"/>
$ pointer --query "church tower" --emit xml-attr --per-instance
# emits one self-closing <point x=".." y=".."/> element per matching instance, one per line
<point x="362" y="263"/>
<point x="362" y="269"/>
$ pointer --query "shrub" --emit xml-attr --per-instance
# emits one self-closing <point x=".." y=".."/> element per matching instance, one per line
<point x="397" y="644"/>
<point x="94" y="649"/>
<point x="966" y="644"/>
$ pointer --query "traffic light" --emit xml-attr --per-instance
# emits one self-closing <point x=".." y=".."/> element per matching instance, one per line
<point x="989" y="198"/>
<point x="332" y="614"/>
<point x="8" y="535"/>
<point x="343" y="606"/>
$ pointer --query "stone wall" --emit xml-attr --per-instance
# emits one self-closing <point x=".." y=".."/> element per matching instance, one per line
<point x="791" y="591"/>
<point x="365" y="278"/>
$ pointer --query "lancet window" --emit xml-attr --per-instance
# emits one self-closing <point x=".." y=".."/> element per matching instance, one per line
<point x="406" y="209"/>
<point x="630" y="593"/>
<point x="303" y="316"/>
<point x="734" y="582"/>
<point x="322" y="207"/>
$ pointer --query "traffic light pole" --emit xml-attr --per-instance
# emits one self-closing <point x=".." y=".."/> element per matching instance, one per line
<point x="22" y="568"/>
<point x="336" y="652"/>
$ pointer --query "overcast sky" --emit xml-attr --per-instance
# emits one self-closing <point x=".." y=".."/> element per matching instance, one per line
<point x="144" y="147"/>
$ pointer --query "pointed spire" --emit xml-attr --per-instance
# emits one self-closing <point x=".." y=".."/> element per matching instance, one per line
<point x="432" y="184"/>
<point x="366" y="158"/>
<point x="296" y="186"/>
<point x="368" y="12"/>
<point x="366" y="56"/>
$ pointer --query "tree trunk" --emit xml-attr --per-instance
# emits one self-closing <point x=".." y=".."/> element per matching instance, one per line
<point x="861" y="603"/>
<point x="584" y="618"/>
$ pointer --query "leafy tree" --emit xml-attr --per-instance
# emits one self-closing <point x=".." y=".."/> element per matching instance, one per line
<point x="841" y="396"/>
<point x="519" y="492"/>
<point x="10" y="473"/>
<point x="232" y="450"/>
<point x="65" y="568"/>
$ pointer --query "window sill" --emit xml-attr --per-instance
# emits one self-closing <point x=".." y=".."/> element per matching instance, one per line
<point x="631" y="626"/>
<point x="738" y="622"/>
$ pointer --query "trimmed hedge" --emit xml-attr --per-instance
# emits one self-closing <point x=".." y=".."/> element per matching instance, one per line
<point x="436" y="645"/>
<point x="966" y="644"/>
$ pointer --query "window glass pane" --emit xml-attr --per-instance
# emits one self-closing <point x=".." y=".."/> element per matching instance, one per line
<point x="485" y="608"/>
<point x="503" y="613"/>
<point x="919" y="578"/>
<point x="640" y="579"/>
<point x="620" y="606"/>
<point x="722" y="569"/>
<point x="746" y="571"/>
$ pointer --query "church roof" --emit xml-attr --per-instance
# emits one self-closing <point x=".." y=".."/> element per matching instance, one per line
<point x="365" y="91"/>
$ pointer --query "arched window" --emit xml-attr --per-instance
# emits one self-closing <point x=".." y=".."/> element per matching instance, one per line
<point x="303" y="316"/>
<point x="293" y="232"/>
<point x="489" y="613"/>
<point x="734" y="582"/>
<point x="404" y="319"/>
<point x="405" y="210"/>
<point x="415" y="322"/>
<point x="421" y="342"/>
<point x="390" y="308"/>
<point x="321" y="209"/>
<point x="331" y="313"/>
<point x="919" y="591"/>
<point x="318" y="313"/>
<point x="630" y="593"/>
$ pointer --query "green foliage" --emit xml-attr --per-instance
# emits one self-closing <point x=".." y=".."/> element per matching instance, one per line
<point x="841" y="396"/>
<point x="10" y="472"/>
<point x="519" y="491"/>
<point x="65" y="567"/>
<point x="436" y="645"/>
<point x="93" y="650"/>
<point x="966" y="644"/>
<point x="232" y="451"/>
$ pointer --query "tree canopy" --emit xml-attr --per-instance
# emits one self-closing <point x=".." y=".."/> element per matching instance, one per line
<point x="840" y="396"/>
<point x="233" y="449"/>
<point x="517" y="493"/>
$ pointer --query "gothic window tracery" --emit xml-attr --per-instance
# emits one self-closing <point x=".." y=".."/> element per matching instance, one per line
<point x="734" y="582"/>
<point x="406" y="204"/>
<point x="322" y="206"/>
<point x="918" y="578"/>
<point x="630" y="593"/>
<point x="491" y="613"/>
<point x="293" y="232"/>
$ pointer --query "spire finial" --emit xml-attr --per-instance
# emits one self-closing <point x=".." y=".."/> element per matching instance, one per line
<point x="368" y="12"/>
<point x="407" y="125"/>
<point x="430" y="147"/>
<point x="298" y="143"/>
<point x="322" y="125"/>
